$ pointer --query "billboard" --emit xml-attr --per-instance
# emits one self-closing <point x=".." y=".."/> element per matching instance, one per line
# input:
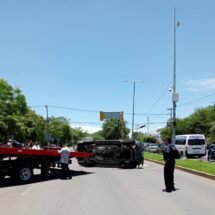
<point x="110" y="115"/>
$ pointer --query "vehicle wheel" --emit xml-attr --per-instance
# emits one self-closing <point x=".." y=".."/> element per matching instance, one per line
<point x="188" y="156"/>
<point x="209" y="158"/>
<point x="24" y="174"/>
<point x="181" y="154"/>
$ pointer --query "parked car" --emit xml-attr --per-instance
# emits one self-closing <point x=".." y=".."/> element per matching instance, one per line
<point x="161" y="147"/>
<point x="15" y="143"/>
<point x="211" y="152"/>
<point x="145" y="146"/>
<point x="153" y="147"/>
<point x="52" y="147"/>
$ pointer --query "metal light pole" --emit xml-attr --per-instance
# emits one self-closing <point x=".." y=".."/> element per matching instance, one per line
<point x="174" y="94"/>
<point x="132" y="127"/>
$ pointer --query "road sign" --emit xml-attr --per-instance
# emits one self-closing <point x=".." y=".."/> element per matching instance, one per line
<point x="110" y="115"/>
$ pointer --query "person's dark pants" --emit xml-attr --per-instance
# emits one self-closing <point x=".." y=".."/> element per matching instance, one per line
<point x="66" y="170"/>
<point x="169" y="174"/>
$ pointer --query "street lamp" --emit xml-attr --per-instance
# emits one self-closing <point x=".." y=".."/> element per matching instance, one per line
<point x="132" y="127"/>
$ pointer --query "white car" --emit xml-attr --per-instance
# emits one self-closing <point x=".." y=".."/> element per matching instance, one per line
<point x="153" y="147"/>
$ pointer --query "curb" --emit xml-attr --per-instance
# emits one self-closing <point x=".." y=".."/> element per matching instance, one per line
<point x="195" y="172"/>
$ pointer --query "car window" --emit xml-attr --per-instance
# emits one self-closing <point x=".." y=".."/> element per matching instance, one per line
<point x="194" y="142"/>
<point x="180" y="142"/>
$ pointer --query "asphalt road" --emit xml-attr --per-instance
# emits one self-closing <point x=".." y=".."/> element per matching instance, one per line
<point x="109" y="191"/>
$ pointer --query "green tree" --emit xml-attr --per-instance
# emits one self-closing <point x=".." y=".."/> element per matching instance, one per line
<point x="59" y="129"/>
<point x="166" y="133"/>
<point x="98" y="135"/>
<point x="78" y="135"/>
<point x="115" y="129"/>
<point x="211" y="138"/>
<point x="12" y="104"/>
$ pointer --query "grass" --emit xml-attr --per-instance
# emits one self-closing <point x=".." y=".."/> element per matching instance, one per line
<point x="199" y="165"/>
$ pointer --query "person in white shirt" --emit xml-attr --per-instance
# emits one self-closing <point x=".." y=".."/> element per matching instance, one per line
<point x="36" y="146"/>
<point x="64" y="160"/>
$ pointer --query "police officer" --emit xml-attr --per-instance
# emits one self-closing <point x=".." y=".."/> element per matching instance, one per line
<point x="168" y="156"/>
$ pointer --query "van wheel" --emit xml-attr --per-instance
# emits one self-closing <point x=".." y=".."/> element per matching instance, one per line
<point x="181" y="154"/>
<point x="188" y="156"/>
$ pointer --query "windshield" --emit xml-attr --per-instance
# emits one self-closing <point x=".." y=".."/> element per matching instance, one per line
<point x="194" y="142"/>
<point x="212" y="147"/>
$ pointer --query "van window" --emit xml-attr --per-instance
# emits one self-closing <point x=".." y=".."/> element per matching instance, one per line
<point x="180" y="142"/>
<point x="194" y="142"/>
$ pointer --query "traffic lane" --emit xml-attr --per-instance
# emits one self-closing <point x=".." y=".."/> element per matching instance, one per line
<point x="111" y="191"/>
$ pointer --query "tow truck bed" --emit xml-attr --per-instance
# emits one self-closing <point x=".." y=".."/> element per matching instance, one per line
<point x="6" y="151"/>
<point x="19" y="163"/>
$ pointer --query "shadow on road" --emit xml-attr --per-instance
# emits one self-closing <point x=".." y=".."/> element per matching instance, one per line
<point x="55" y="174"/>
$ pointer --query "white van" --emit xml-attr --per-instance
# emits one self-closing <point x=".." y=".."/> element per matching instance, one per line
<point x="191" y="145"/>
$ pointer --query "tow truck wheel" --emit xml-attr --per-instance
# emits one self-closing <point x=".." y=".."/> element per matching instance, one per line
<point x="24" y="174"/>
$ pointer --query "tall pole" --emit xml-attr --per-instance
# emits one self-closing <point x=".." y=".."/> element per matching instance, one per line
<point x="147" y="125"/>
<point x="170" y="118"/>
<point x="174" y="95"/>
<point x="132" y="129"/>
<point x="47" y="121"/>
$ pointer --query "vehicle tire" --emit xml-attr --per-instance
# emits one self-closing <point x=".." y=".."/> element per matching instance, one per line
<point x="209" y="158"/>
<point x="188" y="156"/>
<point x="181" y="154"/>
<point x="24" y="174"/>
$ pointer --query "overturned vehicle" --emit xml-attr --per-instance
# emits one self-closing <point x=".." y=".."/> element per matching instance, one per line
<point x="116" y="153"/>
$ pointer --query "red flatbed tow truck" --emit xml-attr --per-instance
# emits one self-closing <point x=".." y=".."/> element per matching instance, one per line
<point x="19" y="163"/>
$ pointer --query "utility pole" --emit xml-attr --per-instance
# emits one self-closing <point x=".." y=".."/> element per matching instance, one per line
<point x="147" y="124"/>
<point x="170" y="118"/>
<point x="132" y="127"/>
<point x="47" y="122"/>
<point x="174" y="94"/>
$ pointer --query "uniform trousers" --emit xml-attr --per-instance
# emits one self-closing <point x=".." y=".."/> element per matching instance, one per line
<point x="169" y="174"/>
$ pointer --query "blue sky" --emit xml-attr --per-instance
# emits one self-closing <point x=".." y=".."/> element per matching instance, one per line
<point x="74" y="56"/>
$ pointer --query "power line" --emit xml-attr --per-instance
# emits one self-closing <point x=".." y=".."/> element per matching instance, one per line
<point x="89" y="123"/>
<point x="196" y="100"/>
<point x="91" y="111"/>
<point x="159" y="98"/>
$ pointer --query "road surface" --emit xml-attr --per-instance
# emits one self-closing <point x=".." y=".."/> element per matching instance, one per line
<point x="110" y="191"/>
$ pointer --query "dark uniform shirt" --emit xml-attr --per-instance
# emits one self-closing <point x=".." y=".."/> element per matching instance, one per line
<point x="168" y="152"/>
